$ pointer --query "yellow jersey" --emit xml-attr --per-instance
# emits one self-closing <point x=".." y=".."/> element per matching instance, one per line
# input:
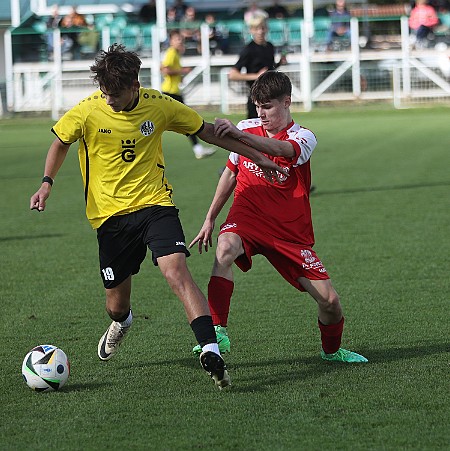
<point x="171" y="83"/>
<point x="120" y="153"/>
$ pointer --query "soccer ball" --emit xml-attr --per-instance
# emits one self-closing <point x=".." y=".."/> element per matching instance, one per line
<point x="45" y="368"/>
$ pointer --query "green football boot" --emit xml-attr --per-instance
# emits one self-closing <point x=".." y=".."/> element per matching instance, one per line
<point x="222" y="340"/>
<point x="342" y="355"/>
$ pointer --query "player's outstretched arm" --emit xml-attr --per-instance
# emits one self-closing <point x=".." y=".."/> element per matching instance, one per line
<point x="272" y="171"/>
<point x="275" y="147"/>
<point x="55" y="158"/>
<point x="236" y="75"/>
<point x="224" y="189"/>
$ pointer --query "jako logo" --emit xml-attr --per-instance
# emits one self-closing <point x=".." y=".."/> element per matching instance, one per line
<point x="105" y="130"/>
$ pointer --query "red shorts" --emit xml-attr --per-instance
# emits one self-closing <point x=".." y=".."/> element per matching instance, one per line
<point x="291" y="260"/>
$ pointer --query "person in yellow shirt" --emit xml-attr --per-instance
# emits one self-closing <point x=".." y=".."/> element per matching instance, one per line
<point x="173" y="73"/>
<point x="128" y="197"/>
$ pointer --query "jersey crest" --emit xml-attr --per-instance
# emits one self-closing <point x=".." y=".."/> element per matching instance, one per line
<point x="147" y="128"/>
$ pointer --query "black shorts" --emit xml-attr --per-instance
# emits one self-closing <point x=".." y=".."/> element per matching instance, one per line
<point x="123" y="241"/>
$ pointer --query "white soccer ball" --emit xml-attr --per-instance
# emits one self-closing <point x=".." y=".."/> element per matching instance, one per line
<point x="45" y="368"/>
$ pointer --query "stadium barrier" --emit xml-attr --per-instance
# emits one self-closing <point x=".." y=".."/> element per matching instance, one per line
<point x="349" y="72"/>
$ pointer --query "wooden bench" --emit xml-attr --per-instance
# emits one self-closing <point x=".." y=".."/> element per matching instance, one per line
<point x="380" y="11"/>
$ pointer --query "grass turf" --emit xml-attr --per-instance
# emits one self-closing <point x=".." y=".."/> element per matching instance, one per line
<point x="381" y="215"/>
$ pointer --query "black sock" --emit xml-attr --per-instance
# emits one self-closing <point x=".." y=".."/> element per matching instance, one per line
<point x="203" y="330"/>
<point x="122" y="318"/>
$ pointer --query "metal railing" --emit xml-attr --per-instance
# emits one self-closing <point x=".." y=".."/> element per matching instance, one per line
<point x="351" y="74"/>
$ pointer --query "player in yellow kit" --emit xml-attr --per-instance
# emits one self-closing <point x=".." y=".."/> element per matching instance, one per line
<point x="128" y="197"/>
<point x="173" y="73"/>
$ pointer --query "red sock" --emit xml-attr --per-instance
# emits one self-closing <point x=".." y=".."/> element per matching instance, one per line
<point x="331" y="335"/>
<point x="219" y="298"/>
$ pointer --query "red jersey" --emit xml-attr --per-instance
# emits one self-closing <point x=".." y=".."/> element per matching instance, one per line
<point x="279" y="209"/>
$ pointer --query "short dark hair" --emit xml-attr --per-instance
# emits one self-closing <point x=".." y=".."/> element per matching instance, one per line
<point x="270" y="85"/>
<point x="174" y="32"/>
<point x="116" y="68"/>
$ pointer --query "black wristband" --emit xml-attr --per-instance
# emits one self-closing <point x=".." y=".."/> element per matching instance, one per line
<point x="48" y="180"/>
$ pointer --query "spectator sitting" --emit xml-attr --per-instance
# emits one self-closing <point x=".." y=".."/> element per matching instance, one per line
<point x="440" y="6"/>
<point x="52" y="23"/>
<point x="147" y="13"/>
<point x="340" y="23"/>
<point x="70" y="40"/>
<point x="171" y="17"/>
<point x="180" y="10"/>
<point x="88" y="39"/>
<point x="54" y="20"/>
<point x="277" y="11"/>
<point x="190" y="30"/>
<point x="218" y="39"/>
<point x="73" y="19"/>
<point x="254" y="12"/>
<point x="422" y="20"/>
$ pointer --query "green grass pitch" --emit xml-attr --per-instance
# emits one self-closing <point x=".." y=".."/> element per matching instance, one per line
<point x="381" y="213"/>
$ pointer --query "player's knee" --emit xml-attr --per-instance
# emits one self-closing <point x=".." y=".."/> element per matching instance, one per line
<point x="331" y="303"/>
<point x="173" y="275"/>
<point x="226" y="253"/>
<point x="334" y="303"/>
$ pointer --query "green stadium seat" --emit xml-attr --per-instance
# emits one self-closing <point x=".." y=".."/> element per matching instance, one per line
<point x="39" y="26"/>
<point x="131" y="37"/>
<point x="294" y="37"/>
<point x="277" y="34"/>
<point x="146" y="36"/>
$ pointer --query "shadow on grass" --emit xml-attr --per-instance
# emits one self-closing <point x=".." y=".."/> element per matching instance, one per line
<point x="393" y="354"/>
<point x="30" y="237"/>
<point x="318" y="192"/>
<point x="287" y="370"/>
<point x="314" y="367"/>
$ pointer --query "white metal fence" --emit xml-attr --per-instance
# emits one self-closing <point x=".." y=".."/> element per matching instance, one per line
<point x="401" y="75"/>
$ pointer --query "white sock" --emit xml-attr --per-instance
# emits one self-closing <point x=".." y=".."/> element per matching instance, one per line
<point x="214" y="347"/>
<point x="128" y="321"/>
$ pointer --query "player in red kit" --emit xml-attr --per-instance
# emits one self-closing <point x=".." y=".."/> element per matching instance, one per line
<point x="273" y="220"/>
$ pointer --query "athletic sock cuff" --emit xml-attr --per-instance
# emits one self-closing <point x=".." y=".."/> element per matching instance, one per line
<point x="127" y="318"/>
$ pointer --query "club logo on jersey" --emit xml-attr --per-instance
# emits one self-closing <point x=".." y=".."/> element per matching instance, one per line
<point x="147" y="128"/>
<point x="128" y="146"/>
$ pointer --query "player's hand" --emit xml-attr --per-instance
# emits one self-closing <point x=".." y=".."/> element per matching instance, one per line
<point x="272" y="171"/>
<point x="37" y="201"/>
<point x="283" y="60"/>
<point x="273" y="176"/>
<point x="204" y="237"/>
<point x="223" y="127"/>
